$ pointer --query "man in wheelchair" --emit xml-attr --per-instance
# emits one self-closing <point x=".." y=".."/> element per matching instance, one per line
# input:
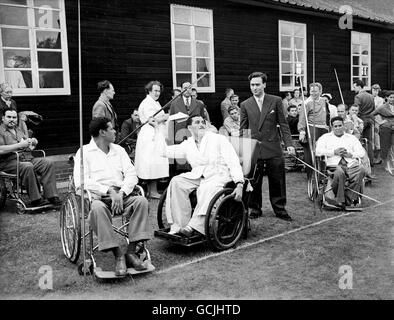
<point x="15" y="140"/>
<point x="214" y="163"/>
<point x="110" y="177"/>
<point x="343" y="152"/>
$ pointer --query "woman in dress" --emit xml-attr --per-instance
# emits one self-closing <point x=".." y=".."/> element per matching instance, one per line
<point x="148" y="163"/>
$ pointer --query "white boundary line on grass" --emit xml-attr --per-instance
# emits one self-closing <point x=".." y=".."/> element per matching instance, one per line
<point x="247" y="245"/>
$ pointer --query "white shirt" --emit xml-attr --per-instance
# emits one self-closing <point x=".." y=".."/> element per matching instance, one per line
<point x="260" y="101"/>
<point x="328" y="142"/>
<point x="105" y="170"/>
<point x="185" y="100"/>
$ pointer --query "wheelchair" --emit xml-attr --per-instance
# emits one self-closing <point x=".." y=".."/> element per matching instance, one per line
<point x="292" y="164"/>
<point x="11" y="188"/>
<point x="226" y="220"/>
<point x="73" y="237"/>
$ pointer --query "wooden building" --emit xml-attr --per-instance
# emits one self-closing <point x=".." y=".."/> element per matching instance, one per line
<point x="133" y="42"/>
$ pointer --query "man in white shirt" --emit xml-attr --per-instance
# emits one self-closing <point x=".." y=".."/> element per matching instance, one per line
<point x="214" y="162"/>
<point x="110" y="176"/>
<point x="343" y="152"/>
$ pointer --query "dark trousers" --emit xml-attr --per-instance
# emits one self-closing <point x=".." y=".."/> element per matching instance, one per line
<point x="386" y="140"/>
<point x="367" y="133"/>
<point x="275" y="170"/>
<point x="27" y="173"/>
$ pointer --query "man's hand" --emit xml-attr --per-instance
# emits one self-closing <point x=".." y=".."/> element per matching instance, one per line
<point x="32" y="143"/>
<point x="116" y="201"/>
<point x="302" y="137"/>
<point x="152" y="122"/>
<point x="340" y="152"/>
<point x="291" y="150"/>
<point x="237" y="193"/>
<point x="347" y="155"/>
<point x="24" y="143"/>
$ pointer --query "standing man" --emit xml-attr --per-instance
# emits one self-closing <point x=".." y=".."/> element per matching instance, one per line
<point x="195" y="95"/>
<point x="379" y="101"/>
<point x="366" y="104"/>
<point x="226" y="103"/>
<point x="103" y="108"/>
<point x="260" y="115"/>
<point x="128" y="126"/>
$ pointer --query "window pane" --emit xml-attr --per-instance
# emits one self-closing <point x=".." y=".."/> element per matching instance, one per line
<point x="285" y="42"/>
<point x="355" y="38"/>
<point x="20" y="2"/>
<point x="355" y="78"/>
<point x="299" y="31"/>
<point x="366" y="81"/>
<point x="48" y="40"/>
<point x="203" y="65"/>
<point x="182" y="48"/>
<point x="364" y="60"/>
<point x="356" y="71"/>
<point x="356" y="49"/>
<point x="364" y="38"/>
<point x="287" y="55"/>
<point x="49" y="60"/>
<point x="286" y="29"/>
<point x="13" y="16"/>
<point x="182" y="32"/>
<point x="286" y="81"/>
<point x="299" y="56"/>
<point x="18" y="79"/>
<point x="204" y="82"/>
<point x="201" y="18"/>
<point x="364" y="71"/>
<point x="17" y="58"/>
<point x="299" y="43"/>
<point x="202" y="33"/>
<point x="299" y="68"/>
<point x="182" y="15"/>
<point x="54" y="4"/>
<point x="287" y="68"/>
<point x="181" y="78"/>
<point x="202" y="49"/>
<point x="364" y="49"/>
<point x="356" y="60"/>
<point x="183" y="64"/>
<point x="47" y="18"/>
<point x="15" y="38"/>
<point x="51" y="79"/>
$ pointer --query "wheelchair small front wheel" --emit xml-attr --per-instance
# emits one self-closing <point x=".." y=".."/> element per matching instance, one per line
<point x="87" y="270"/>
<point x="20" y="207"/>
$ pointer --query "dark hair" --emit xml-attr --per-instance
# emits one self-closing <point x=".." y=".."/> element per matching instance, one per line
<point x="2" y="112"/>
<point x="388" y="93"/>
<point x="297" y="89"/>
<point x="336" y="118"/>
<point x="176" y="89"/>
<point x="190" y="119"/>
<point x="97" y="124"/>
<point x="359" y="82"/>
<point x="261" y="75"/>
<point x="354" y="105"/>
<point x="149" y="86"/>
<point x="194" y="89"/>
<point x="291" y="106"/>
<point x="234" y="96"/>
<point x="102" y="85"/>
<point x="231" y="108"/>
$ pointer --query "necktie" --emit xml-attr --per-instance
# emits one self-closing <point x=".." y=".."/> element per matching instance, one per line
<point x="188" y="104"/>
<point x="260" y="100"/>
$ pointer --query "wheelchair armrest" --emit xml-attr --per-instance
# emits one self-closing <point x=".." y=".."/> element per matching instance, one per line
<point x="39" y="151"/>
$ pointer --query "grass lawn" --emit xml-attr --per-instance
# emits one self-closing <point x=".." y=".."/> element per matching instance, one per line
<point x="300" y="265"/>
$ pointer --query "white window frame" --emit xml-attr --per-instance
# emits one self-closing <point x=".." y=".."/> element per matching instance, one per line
<point x="211" y="88"/>
<point x="36" y="90"/>
<point x="294" y="58"/>
<point x="352" y="54"/>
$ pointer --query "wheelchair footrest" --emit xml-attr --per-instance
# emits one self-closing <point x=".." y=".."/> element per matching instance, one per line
<point x="101" y="274"/>
<point x="179" y="239"/>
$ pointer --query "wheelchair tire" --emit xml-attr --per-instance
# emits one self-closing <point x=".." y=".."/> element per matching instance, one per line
<point x="161" y="211"/>
<point x="312" y="188"/>
<point x="225" y="221"/>
<point x="3" y="193"/>
<point x="70" y="227"/>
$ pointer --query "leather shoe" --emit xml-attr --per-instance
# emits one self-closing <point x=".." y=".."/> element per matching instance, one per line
<point x="39" y="203"/>
<point x="187" y="232"/>
<point x="284" y="216"/>
<point x="55" y="201"/>
<point x="120" y="267"/>
<point x="255" y="213"/>
<point x="132" y="261"/>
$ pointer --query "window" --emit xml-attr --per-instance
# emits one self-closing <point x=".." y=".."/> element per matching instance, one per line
<point x="192" y="47"/>
<point x="292" y="54"/>
<point x="361" y="58"/>
<point x="33" y="47"/>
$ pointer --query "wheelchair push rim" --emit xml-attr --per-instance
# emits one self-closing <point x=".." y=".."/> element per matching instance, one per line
<point x="70" y="228"/>
<point x="225" y="221"/>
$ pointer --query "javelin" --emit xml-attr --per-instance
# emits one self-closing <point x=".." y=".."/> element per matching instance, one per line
<point x="164" y="107"/>
<point x="339" y="86"/>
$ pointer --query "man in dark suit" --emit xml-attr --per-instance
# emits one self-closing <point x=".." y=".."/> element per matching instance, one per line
<point x="187" y="105"/>
<point x="260" y="115"/>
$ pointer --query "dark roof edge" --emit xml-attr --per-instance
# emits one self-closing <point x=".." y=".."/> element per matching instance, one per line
<point x="314" y="12"/>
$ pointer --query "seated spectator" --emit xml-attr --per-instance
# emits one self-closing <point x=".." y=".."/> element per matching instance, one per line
<point x="343" y="153"/>
<point x="195" y="95"/>
<point x="234" y="99"/>
<point x="16" y="140"/>
<point x="285" y="102"/>
<point x="333" y="109"/>
<point x="296" y="101"/>
<point x="342" y="110"/>
<point x="292" y="119"/>
<point x="233" y="122"/>
<point x="226" y="103"/>
<point x="214" y="162"/>
<point x="110" y="176"/>
<point x="129" y="126"/>
<point x="353" y="123"/>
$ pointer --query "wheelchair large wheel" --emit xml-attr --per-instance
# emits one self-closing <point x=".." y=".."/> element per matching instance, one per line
<point x="312" y="187"/>
<point x="3" y="193"/>
<point x="70" y="227"/>
<point x="225" y="220"/>
<point x="161" y="212"/>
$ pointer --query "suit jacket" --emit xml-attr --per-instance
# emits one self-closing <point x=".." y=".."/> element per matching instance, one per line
<point x="196" y="108"/>
<point x="263" y="125"/>
<point x="103" y="109"/>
